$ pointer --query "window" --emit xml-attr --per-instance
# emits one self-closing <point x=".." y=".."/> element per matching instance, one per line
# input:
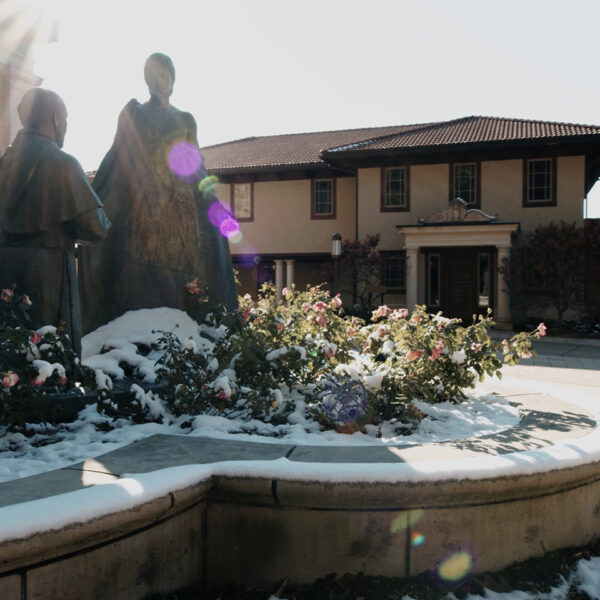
<point x="242" y="201"/>
<point x="434" y="280"/>
<point x="323" y="199"/>
<point x="464" y="182"/>
<point x="539" y="182"/>
<point x="394" y="189"/>
<point x="484" y="267"/>
<point x="393" y="271"/>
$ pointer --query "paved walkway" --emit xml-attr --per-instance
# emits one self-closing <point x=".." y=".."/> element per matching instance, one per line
<point x="564" y="353"/>
<point x="546" y="419"/>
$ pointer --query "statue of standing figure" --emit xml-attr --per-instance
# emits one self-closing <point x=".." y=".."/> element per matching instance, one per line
<point x="46" y="207"/>
<point x="161" y="236"/>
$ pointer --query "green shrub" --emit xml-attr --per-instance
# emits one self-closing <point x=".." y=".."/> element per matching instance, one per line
<point x="272" y="353"/>
<point x="35" y="366"/>
<point x="269" y="359"/>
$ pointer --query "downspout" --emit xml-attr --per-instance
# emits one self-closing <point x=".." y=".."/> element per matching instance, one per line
<point x="585" y="198"/>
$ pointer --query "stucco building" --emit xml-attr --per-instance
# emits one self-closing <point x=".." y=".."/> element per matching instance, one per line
<point x="290" y="193"/>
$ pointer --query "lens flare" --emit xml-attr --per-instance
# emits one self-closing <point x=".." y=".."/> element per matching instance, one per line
<point x="249" y="259"/>
<point x="185" y="160"/>
<point x="455" y="567"/>
<point x="236" y="238"/>
<point x="207" y="184"/>
<point x="417" y="539"/>
<point x="217" y="213"/>
<point x="229" y="227"/>
<point x="406" y="519"/>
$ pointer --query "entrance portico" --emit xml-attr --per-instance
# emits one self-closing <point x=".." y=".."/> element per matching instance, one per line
<point x="454" y="262"/>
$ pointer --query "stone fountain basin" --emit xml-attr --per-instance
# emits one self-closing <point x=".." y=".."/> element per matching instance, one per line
<point x="221" y="511"/>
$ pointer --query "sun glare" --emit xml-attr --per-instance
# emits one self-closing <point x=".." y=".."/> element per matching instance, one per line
<point x="27" y="23"/>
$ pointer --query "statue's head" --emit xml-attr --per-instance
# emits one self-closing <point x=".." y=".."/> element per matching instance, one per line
<point x="45" y="111"/>
<point x="159" y="74"/>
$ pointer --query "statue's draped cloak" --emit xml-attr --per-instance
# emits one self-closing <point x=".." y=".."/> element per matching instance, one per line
<point x="160" y="237"/>
<point x="46" y="205"/>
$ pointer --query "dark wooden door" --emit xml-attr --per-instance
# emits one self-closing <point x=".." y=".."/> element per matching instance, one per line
<point x="459" y="283"/>
<point x="464" y="281"/>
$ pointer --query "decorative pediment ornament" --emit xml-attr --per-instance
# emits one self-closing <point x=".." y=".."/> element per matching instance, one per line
<point x="457" y="212"/>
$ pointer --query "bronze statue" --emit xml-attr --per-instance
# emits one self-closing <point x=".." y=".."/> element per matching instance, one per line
<point x="46" y="206"/>
<point x="161" y="237"/>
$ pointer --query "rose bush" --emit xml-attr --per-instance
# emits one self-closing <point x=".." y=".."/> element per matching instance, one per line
<point x="271" y="354"/>
<point x="263" y="355"/>
<point x="292" y="360"/>
<point x="34" y="365"/>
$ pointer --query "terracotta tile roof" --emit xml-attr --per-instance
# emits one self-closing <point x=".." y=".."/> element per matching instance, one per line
<point x="472" y="130"/>
<point x="289" y="150"/>
<point x="308" y="149"/>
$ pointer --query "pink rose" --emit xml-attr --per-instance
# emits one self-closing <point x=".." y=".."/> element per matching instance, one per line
<point x="305" y="307"/>
<point x="476" y="346"/>
<point x="284" y="292"/>
<point x="399" y="313"/>
<point x="382" y="311"/>
<point x="280" y="326"/>
<point x="35" y="338"/>
<point x="193" y="287"/>
<point x="319" y="306"/>
<point x="437" y="351"/>
<point x="412" y="355"/>
<point x="321" y="320"/>
<point x="350" y="332"/>
<point x="7" y="294"/>
<point x="542" y="329"/>
<point x="381" y="331"/>
<point x="10" y="379"/>
<point x="336" y="301"/>
<point x="526" y="354"/>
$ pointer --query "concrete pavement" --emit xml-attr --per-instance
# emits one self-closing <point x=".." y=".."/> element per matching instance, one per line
<point x="563" y="353"/>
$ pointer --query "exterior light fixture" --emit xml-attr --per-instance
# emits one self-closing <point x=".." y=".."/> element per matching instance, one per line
<point x="336" y="252"/>
<point x="336" y="245"/>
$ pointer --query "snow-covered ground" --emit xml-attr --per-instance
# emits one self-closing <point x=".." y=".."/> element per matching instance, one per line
<point x="20" y="456"/>
<point x="482" y="414"/>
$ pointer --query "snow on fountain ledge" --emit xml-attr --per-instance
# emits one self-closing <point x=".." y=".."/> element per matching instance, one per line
<point x="84" y="442"/>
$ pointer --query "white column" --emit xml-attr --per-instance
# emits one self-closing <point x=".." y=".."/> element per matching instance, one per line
<point x="502" y="312"/>
<point x="279" y="265"/>
<point x="412" y="280"/>
<point x="289" y="273"/>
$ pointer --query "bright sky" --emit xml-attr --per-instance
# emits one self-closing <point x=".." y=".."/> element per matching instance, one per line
<point x="259" y="67"/>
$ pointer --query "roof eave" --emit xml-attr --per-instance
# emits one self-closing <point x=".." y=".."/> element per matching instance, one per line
<point x="351" y="156"/>
<point x="266" y="168"/>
